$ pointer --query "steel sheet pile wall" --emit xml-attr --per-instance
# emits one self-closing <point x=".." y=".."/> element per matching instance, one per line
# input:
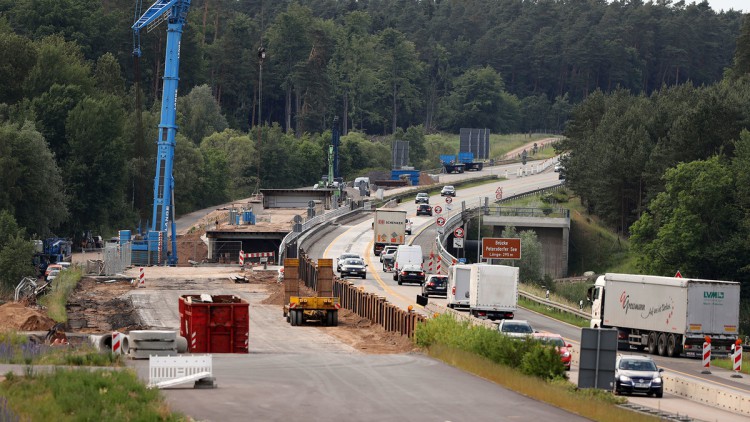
<point x="367" y="305"/>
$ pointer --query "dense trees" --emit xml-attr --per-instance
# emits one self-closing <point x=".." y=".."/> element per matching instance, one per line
<point x="80" y="149"/>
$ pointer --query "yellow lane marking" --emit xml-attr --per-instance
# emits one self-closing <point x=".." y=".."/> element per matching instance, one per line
<point x="325" y="253"/>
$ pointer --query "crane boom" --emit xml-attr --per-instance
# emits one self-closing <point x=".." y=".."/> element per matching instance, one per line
<point x="175" y="13"/>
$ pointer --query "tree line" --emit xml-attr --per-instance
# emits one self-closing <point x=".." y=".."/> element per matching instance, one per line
<point x="671" y="170"/>
<point x="78" y="120"/>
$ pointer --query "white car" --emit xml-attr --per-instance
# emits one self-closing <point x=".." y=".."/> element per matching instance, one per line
<point x="515" y="328"/>
<point x="53" y="274"/>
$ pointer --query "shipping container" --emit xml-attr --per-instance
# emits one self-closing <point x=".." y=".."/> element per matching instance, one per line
<point x="218" y="326"/>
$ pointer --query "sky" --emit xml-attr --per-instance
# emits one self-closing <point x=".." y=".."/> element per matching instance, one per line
<point x="718" y="5"/>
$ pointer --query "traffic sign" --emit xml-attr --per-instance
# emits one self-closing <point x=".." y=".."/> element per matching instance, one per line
<point x="501" y="248"/>
<point x="440" y="221"/>
<point x="459" y="232"/>
<point x="499" y="193"/>
<point x="458" y="242"/>
<point x="438" y="209"/>
<point x="448" y="199"/>
<point x="678" y="275"/>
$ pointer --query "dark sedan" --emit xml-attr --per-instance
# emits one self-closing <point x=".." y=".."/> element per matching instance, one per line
<point x="424" y="209"/>
<point x="638" y="374"/>
<point x="353" y="267"/>
<point x="435" y="285"/>
<point x="411" y="274"/>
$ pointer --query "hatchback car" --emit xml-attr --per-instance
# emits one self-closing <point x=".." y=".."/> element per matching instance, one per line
<point x="515" y="328"/>
<point x="638" y="374"/>
<point x="562" y="347"/>
<point x="344" y="257"/>
<point x="448" y="191"/>
<point x="424" y="209"/>
<point x="422" y="198"/>
<point x="435" y="285"/>
<point x="411" y="274"/>
<point x="354" y="267"/>
<point x="390" y="249"/>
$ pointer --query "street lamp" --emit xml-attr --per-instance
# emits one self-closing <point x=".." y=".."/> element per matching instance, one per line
<point x="261" y="57"/>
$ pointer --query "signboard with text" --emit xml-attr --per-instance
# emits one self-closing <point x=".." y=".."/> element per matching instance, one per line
<point x="501" y="248"/>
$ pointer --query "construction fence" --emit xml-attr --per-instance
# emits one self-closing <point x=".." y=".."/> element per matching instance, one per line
<point x="367" y="305"/>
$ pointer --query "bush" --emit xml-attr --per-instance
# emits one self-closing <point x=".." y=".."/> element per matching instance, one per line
<point x="539" y="360"/>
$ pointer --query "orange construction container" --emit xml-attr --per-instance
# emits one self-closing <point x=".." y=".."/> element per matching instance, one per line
<point x="219" y="326"/>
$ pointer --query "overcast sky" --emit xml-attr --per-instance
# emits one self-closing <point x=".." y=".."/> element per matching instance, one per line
<point x="718" y="5"/>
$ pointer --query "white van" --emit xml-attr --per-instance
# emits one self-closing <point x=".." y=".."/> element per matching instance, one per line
<point x="459" y="286"/>
<point x="407" y="255"/>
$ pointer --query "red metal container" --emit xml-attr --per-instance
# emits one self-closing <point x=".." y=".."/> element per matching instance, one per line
<point x="220" y="326"/>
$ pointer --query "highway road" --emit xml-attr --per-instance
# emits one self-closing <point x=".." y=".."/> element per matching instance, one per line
<point x="357" y="236"/>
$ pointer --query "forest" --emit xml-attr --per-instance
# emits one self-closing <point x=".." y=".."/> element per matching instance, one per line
<point x="637" y="87"/>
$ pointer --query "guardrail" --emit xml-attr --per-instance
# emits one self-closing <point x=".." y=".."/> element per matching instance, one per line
<point x="473" y="207"/>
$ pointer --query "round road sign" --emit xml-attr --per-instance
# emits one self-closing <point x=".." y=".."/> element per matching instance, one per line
<point x="459" y="232"/>
<point x="438" y="209"/>
<point x="440" y="221"/>
<point x="448" y="199"/>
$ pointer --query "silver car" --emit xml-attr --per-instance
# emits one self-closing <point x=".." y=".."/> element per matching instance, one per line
<point x="344" y="256"/>
<point x="354" y="267"/>
<point x="515" y="328"/>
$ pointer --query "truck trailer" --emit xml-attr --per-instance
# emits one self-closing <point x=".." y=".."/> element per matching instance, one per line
<point x="665" y="315"/>
<point x="459" y="286"/>
<point x="390" y="228"/>
<point x="493" y="291"/>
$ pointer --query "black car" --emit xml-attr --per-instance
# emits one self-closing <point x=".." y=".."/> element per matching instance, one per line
<point x="424" y="209"/>
<point x="638" y="374"/>
<point x="353" y="267"/>
<point x="435" y="285"/>
<point x="411" y="274"/>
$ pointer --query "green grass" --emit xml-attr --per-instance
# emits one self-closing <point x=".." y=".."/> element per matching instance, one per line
<point x="62" y="287"/>
<point x="486" y="353"/>
<point x="726" y="363"/>
<point x="84" y="395"/>
<point x="553" y="313"/>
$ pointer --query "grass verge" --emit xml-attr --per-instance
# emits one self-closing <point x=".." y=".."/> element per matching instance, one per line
<point x="553" y="313"/>
<point x="18" y="349"/>
<point x="727" y="364"/>
<point x="62" y="286"/>
<point x="83" y="395"/>
<point x="594" y="404"/>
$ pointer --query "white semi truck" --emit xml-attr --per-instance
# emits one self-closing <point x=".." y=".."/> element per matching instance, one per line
<point x="665" y="315"/>
<point x="493" y="291"/>
<point x="389" y="227"/>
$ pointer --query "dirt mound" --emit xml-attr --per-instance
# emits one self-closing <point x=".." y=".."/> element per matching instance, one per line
<point x="16" y="317"/>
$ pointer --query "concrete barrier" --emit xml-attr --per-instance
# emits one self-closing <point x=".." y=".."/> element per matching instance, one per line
<point x="711" y="395"/>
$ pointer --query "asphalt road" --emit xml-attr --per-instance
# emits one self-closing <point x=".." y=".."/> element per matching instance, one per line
<point x="301" y="373"/>
<point x="356" y="237"/>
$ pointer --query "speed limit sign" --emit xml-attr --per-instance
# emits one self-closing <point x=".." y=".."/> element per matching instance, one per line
<point x="448" y="199"/>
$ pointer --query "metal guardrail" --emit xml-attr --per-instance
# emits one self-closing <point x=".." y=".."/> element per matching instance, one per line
<point x="559" y="306"/>
<point x="474" y="206"/>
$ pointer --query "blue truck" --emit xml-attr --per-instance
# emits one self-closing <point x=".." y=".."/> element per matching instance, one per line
<point x="464" y="161"/>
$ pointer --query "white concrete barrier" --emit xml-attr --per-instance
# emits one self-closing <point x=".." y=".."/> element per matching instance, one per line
<point x="168" y="371"/>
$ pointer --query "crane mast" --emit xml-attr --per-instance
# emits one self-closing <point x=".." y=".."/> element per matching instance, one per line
<point x="162" y="222"/>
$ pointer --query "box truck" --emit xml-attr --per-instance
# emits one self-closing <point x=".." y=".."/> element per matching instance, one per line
<point x="665" y="315"/>
<point x="459" y="286"/>
<point x="493" y="291"/>
<point x="389" y="227"/>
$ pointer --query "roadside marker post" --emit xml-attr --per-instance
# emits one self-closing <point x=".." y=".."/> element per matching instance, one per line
<point x="141" y="277"/>
<point x="706" y="356"/>
<point x="737" y="358"/>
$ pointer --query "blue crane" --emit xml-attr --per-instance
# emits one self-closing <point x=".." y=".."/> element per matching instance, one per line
<point x="175" y="13"/>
